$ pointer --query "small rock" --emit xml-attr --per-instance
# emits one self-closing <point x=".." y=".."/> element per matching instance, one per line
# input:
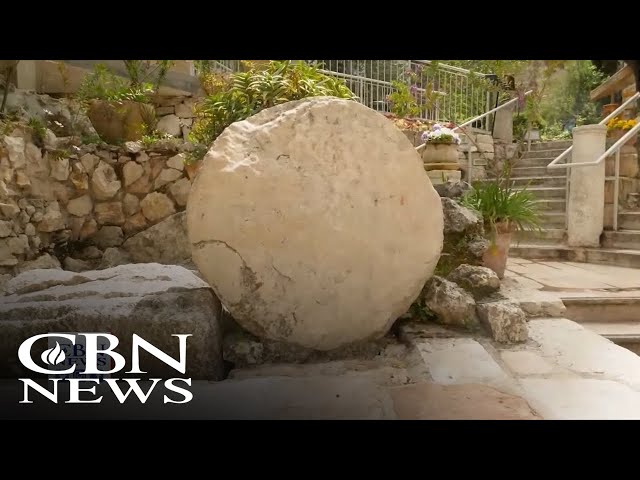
<point x="89" y="162"/>
<point x="80" y="206"/>
<point x="51" y="221"/>
<point x="180" y="191"/>
<point x="169" y="124"/>
<point x="109" y="236"/>
<point x="177" y="162"/>
<point x="59" y="168"/>
<point x="30" y="229"/>
<point x="452" y="189"/>
<point x="44" y="261"/>
<point x="185" y="110"/>
<point x="105" y="182"/>
<point x="166" y="176"/>
<point x="89" y="229"/>
<point x="505" y="320"/>
<point x="478" y="247"/>
<point x="133" y="147"/>
<point x="5" y="228"/>
<point x="156" y="206"/>
<point x="142" y="157"/>
<point x="109" y="213"/>
<point x="113" y="257"/>
<point x="480" y="281"/>
<point x="131" y="204"/>
<point x="22" y="180"/>
<point x="15" y="148"/>
<point x="451" y="303"/>
<point x="458" y="219"/>
<point x="91" y="253"/>
<point x="74" y="265"/>
<point x="50" y="140"/>
<point x="131" y="172"/>
<point x="134" y="224"/>
<point x="9" y="210"/>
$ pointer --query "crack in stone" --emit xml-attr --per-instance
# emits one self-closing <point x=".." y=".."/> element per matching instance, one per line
<point x="281" y="274"/>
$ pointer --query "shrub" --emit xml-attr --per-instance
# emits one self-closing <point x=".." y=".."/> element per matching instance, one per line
<point x="244" y="94"/>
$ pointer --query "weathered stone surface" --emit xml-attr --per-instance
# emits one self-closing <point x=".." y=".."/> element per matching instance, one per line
<point x="15" y="148"/>
<point x="151" y="300"/>
<point x="105" y="182"/>
<point x="166" y="176"/>
<point x="109" y="213"/>
<point x="59" y="168"/>
<point x="130" y="204"/>
<point x="177" y="162"/>
<point x="79" y="177"/>
<point x="80" y="206"/>
<point x="89" y="229"/>
<point x="109" y="236"/>
<point x="180" y="191"/>
<point x="29" y="229"/>
<point x="131" y="172"/>
<point x="135" y="224"/>
<point x="142" y="157"/>
<point x="480" y="281"/>
<point x="52" y="220"/>
<point x="169" y="124"/>
<point x="9" y="209"/>
<point x="372" y="224"/>
<point x="44" y="261"/>
<point x="157" y="206"/>
<point x="5" y="228"/>
<point x="165" y="242"/>
<point x="37" y="166"/>
<point x="112" y="257"/>
<point x="459" y="219"/>
<point x="505" y="320"/>
<point x="452" y="304"/>
<point x="143" y="184"/>
<point x="452" y="189"/>
<point x="133" y="147"/>
<point x="75" y="265"/>
<point x="185" y="110"/>
<point x="15" y="245"/>
<point x="89" y="162"/>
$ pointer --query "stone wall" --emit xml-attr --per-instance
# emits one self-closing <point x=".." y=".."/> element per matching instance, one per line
<point x="175" y="116"/>
<point x="63" y="197"/>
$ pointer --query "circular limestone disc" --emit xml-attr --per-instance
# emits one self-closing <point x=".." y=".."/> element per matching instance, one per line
<point x="315" y="223"/>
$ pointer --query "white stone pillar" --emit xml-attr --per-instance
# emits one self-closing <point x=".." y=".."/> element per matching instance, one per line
<point x="26" y="75"/>
<point x="586" y="193"/>
<point x="503" y="129"/>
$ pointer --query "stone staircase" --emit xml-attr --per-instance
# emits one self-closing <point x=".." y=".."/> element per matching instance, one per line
<point x="620" y="248"/>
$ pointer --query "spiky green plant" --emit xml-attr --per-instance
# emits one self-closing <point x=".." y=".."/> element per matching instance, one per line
<point x="501" y="205"/>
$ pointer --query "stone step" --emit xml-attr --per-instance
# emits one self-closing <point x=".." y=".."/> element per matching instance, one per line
<point x="621" y="239"/>
<point x="629" y="220"/>
<point x="552" y="204"/>
<point x="533" y="162"/>
<point x="547" y="236"/>
<point x="552" y="219"/>
<point x="547" y="181"/>
<point x="624" y="334"/>
<point x="602" y="256"/>
<point x="553" y="145"/>
<point x="603" y="310"/>
<point x="521" y="171"/>
<point x="550" y="154"/>
<point x="541" y="192"/>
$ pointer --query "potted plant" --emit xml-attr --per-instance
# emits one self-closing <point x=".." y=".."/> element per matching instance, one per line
<point x="118" y="109"/>
<point x="504" y="211"/>
<point x="441" y="148"/>
<point x="618" y="128"/>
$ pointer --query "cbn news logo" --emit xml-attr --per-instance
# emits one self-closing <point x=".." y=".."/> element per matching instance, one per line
<point x="85" y="353"/>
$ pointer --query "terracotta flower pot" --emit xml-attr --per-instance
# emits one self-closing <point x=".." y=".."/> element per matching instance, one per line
<point x="120" y="122"/>
<point x="617" y="134"/>
<point x="497" y="254"/>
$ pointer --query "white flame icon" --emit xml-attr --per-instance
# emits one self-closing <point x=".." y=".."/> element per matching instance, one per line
<point x="53" y="356"/>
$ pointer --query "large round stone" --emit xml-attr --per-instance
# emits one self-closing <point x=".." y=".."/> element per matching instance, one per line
<point x="315" y="222"/>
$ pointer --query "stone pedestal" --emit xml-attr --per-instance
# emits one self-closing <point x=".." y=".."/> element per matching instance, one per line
<point x="586" y="196"/>
<point x="438" y="177"/>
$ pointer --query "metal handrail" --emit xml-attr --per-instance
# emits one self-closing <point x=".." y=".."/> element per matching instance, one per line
<point x="480" y="117"/>
<point x="554" y="164"/>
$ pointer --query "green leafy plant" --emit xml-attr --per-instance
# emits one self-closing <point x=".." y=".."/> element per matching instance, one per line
<point x="103" y="84"/>
<point x="244" y="94"/>
<point x="500" y="204"/>
<point x="154" y="136"/>
<point x="39" y="129"/>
